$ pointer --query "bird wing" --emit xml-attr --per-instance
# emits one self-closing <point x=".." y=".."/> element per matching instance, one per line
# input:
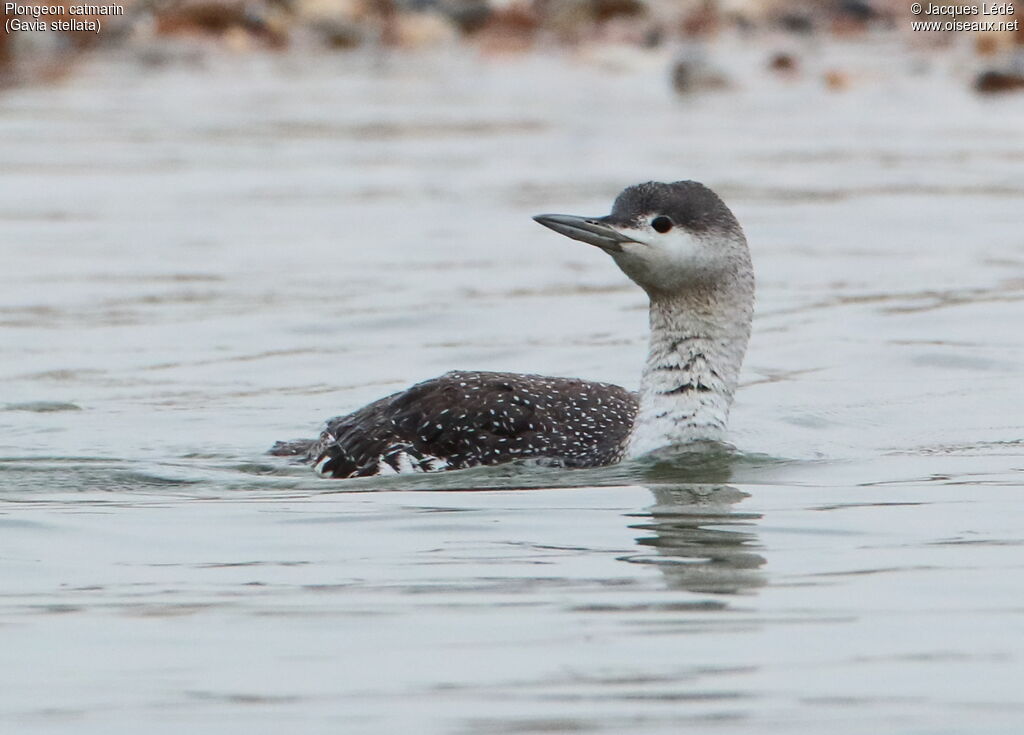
<point x="462" y="419"/>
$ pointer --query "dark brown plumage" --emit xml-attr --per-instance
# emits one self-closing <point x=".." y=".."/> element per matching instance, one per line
<point x="463" y="419"/>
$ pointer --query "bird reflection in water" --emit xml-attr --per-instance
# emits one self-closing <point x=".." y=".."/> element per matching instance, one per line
<point x="696" y="536"/>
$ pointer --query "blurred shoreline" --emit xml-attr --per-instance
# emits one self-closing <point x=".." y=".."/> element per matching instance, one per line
<point x="688" y="37"/>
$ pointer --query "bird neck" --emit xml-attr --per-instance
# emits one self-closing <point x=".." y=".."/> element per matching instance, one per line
<point x="697" y="344"/>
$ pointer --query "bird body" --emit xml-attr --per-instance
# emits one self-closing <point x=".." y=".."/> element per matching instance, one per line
<point x="682" y="245"/>
<point x="464" y="419"/>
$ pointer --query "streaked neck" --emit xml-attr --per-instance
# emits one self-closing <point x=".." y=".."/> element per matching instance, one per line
<point x="697" y="344"/>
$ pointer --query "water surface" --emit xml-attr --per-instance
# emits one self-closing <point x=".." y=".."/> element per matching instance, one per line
<point x="200" y="261"/>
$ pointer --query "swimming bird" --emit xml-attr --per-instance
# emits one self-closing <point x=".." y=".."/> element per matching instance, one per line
<point x="682" y="245"/>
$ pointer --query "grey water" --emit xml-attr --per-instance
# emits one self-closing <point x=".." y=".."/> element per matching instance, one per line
<point x="204" y="257"/>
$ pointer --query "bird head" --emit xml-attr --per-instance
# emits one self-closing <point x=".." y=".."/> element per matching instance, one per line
<point x="668" y="238"/>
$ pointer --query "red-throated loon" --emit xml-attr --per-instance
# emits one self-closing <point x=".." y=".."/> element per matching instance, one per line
<point x="682" y="245"/>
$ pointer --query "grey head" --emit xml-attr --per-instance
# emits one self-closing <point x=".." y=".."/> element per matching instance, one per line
<point x="668" y="238"/>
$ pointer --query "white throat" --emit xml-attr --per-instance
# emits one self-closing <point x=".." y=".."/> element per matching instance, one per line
<point x="698" y="340"/>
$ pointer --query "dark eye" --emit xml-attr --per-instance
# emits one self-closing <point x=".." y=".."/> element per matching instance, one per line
<point x="662" y="224"/>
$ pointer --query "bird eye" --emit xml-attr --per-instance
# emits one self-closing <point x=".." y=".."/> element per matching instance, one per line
<point x="662" y="224"/>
